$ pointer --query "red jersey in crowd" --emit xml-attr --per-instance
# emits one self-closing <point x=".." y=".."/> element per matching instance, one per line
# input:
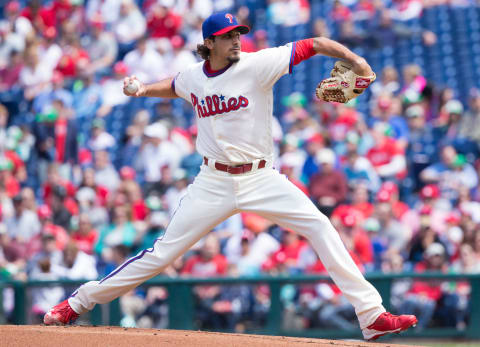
<point x="166" y="26"/>
<point x="431" y="289"/>
<point x="85" y="243"/>
<point x="382" y="154"/>
<point x="197" y="266"/>
<point x="44" y="18"/>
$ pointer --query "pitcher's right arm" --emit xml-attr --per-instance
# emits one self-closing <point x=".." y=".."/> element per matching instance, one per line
<point x="161" y="89"/>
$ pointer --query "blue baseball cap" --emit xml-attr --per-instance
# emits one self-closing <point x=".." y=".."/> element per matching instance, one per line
<point x="221" y="23"/>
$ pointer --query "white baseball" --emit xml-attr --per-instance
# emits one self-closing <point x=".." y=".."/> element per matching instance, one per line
<point x="133" y="86"/>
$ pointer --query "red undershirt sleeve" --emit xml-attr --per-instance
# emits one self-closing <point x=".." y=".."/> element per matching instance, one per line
<point x="303" y="50"/>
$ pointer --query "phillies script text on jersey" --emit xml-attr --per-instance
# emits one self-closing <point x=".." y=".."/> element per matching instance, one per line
<point x="213" y="105"/>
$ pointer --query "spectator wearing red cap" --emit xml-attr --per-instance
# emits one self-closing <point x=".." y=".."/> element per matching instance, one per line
<point x="133" y="192"/>
<point x="430" y="211"/>
<point x="113" y="90"/>
<point x="51" y="53"/>
<point x="45" y="215"/>
<point x="354" y="238"/>
<point x="290" y="250"/>
<point x="388" y="193"/>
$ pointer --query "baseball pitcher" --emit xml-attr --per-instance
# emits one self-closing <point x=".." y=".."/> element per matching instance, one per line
<point x="231" y="93"/>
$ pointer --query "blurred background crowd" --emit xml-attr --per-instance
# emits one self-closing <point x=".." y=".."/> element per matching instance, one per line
<point x="89" y="177"/>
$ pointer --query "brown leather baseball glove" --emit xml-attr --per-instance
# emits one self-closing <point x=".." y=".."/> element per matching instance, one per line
<point x="344" y="84"/>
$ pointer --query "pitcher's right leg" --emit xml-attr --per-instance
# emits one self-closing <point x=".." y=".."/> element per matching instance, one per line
<point x="208" y="202"/>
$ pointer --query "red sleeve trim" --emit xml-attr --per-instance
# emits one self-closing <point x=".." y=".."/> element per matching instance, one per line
<point x="303" y="50"/>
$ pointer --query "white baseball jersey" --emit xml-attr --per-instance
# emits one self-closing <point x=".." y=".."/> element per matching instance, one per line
<point x="234" y="106"/>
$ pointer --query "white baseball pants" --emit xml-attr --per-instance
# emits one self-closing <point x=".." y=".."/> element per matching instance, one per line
<point x="212" y="198"/>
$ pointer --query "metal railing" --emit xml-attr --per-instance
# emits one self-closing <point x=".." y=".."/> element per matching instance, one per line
<point x="181" y="302"/>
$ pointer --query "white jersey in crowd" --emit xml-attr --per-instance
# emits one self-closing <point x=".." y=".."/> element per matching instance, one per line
<point x="234" y="106"/>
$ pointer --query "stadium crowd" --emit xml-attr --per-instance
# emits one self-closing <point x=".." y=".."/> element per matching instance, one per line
<point x="89" y="176"/>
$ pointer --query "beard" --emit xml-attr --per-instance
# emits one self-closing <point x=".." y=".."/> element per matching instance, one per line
<point x="234" y="58"/>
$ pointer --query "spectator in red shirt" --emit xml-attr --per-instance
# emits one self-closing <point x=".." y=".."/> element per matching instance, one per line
<point x="74" y="57"/>
<point x="85" y="236"/>
<point x="61" y="237"/>
<point x="62" y="10"/>
<point x="40" y="17"/>
<point x="133" y="193"/>
<point x="162" y="21"/>
<point x="422" y="298"/>
<point x="388" y="193"/>
<point x="10" y="74"/>
<point x="387" y="156"/>
<point x="289" y="252"/>
<point x="340" y="12"/>
<point x="328" y="188"/>
<point x="208" y="263"/>
<point x="360" y="201"/>
<point x="7" y="179"/>
<point x="355" y="239"/>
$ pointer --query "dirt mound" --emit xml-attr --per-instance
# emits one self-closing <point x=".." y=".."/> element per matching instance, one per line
<point x="72" y="336"/>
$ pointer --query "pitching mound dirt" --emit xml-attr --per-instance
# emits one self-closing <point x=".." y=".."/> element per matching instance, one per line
<point x="72" y="336"/>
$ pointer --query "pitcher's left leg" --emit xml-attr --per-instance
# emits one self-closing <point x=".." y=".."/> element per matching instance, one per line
<point x="273" y="196"/>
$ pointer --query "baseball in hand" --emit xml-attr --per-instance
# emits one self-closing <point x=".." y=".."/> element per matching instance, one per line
<point x="133" y="86"/>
